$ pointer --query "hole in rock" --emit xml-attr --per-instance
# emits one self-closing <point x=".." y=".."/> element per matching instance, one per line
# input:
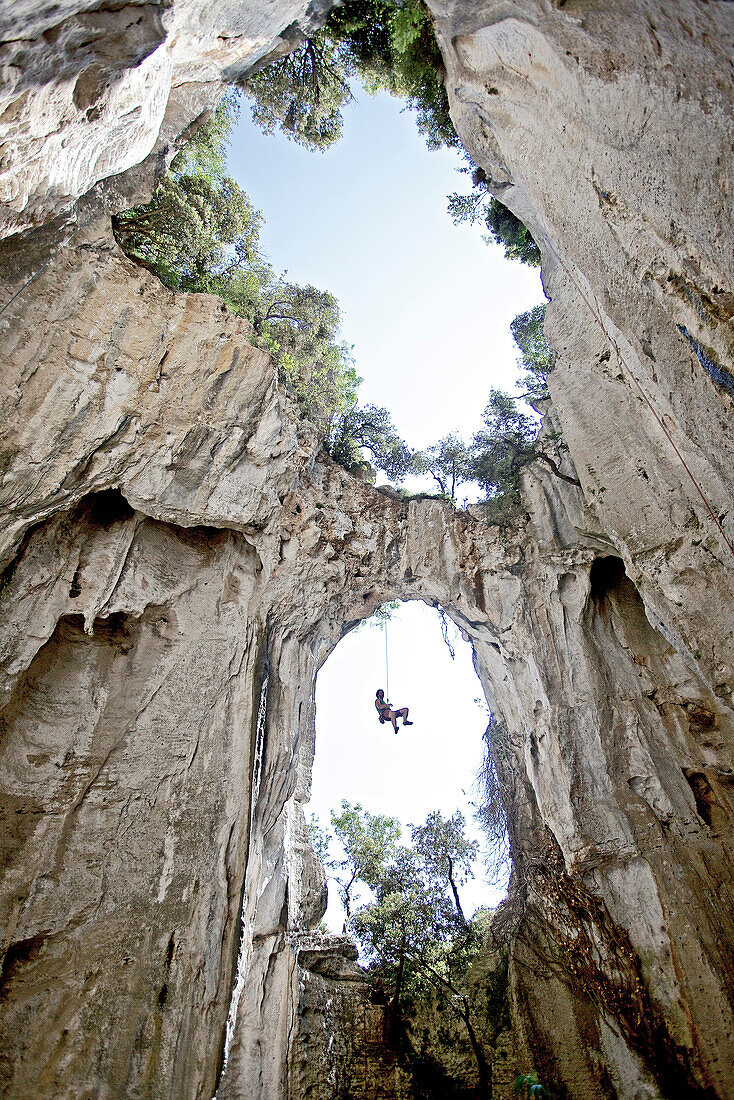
<point x="607" y="576"/>
<point x="107" y="507"/>
<point x="436" y="764"/>
<point x="708" y="806"/>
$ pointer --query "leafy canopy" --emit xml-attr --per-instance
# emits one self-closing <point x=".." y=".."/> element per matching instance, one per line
<point x="413" y="931"/>
<point x="448" y="462"/>
<point x="370" y="428"/>
<point x="303" y="94"/>
<point x="503" y="227"/>
<point x="389" y="46"/>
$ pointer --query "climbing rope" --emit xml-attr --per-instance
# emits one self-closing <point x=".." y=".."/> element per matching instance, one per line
<point x="623" y="363"/>
<point x="387" y="681"/>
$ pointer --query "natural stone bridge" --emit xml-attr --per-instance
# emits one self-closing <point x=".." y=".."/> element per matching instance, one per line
<point x="173" y="535"/>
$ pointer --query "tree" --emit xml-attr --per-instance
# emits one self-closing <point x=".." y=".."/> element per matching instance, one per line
<point x="187" y="232"/>
<point x="369" y="427"/>
<point x="449" y="464"/>
<point x="205" y="153"/>
<point x="504" y="446"/>
<point x="304" y="93"/>
<point x="391" y="47"/>
<point x="503" y="226"/>
<point x="369" y="843"/>
<point x="301" y="327"/>
<point x="508" y="443"/>
<point x="537" y="356"/>
<point x="415" y="933"/>
<point x="199" y="226"/>
<point x="445" y="852"/>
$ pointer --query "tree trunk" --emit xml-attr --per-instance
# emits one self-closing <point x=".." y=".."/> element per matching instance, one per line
<point x="455" y="892"/>
<point x="483" y="1068"/>
<point x="393" y="1006"/>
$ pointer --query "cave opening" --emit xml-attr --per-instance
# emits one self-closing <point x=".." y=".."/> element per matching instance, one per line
<point x="438" y="764"/>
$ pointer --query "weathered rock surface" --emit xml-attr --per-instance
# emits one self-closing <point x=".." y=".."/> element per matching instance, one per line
<point x="91" y="90"/>
<point x="181" y="561"/>
<point x="609" y="131"/>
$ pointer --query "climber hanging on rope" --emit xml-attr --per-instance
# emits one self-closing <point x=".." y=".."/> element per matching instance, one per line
<point x="387" y="714"/>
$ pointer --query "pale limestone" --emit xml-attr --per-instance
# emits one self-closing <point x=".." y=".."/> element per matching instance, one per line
<point x="152" y="793"/>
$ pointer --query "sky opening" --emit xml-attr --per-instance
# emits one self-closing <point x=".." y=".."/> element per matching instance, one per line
<point x="430" y="765"/>
<point x="427" y="306"/>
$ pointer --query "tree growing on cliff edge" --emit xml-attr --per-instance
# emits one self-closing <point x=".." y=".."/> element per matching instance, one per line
<point x="303" y="94"/>
<point x="507" y="444"/>
<point x="369" y="428"/>
<point x="390" y="47"/>
<point x="537" y="358"/>
<point x="503" y="227"/>
<point x="413" y="931"/>
<point x="448" y="462"/>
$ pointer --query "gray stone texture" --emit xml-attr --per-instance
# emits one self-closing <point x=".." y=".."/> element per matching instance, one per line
<point x="181" y="559"/>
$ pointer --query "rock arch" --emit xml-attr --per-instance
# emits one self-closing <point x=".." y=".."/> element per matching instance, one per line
<point x="135" y="638"/>
<point x="131" y="753"/>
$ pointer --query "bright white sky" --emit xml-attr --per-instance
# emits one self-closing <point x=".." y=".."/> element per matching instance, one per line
<point x="427" y="306"/>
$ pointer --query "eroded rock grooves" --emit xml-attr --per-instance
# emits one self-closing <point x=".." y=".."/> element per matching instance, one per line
<point x="171" y="525"/>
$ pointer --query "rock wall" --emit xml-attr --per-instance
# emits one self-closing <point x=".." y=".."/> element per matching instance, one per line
<point x="608" y="129"/>
<point x="180" y="560"/>
<point x="92" y="90"/>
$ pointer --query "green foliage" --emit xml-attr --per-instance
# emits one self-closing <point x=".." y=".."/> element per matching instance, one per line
<point x="508" y="442"/>
<point x="504" y="446"/>
<point x="205" y="154"/>
<point x="503" y="226"/>
<point x="445" y="853"/>
<point x="304" y="93"/>
<point x="319" y="838"/>
<point x="300" y="326"/>
<point x="537" y="356"/>
<point x="449" y="464"/>
<point x="185" y="234"/>
<point x="527" y="1085"/>
<point x="393" y="48"/>
<point x="413" y="931"/>
<point x="368" y="841"/>
<point x="390" y="47"/>
<point x="369" y="427"/>
<point x="409" y="928"/>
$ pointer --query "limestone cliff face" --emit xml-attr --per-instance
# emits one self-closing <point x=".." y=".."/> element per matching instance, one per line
<point x="181" y="560"/>
<point x="608" y="129"/>
<point x="92" y="90"/>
